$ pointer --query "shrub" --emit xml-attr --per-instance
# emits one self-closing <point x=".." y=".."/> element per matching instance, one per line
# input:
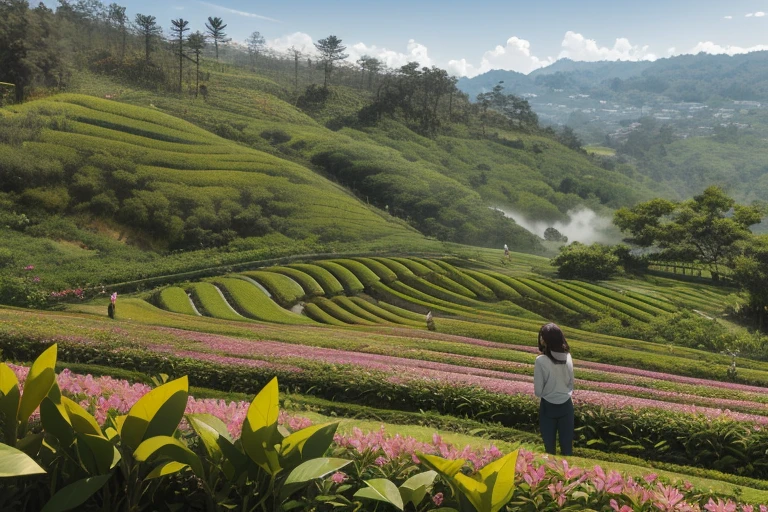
<point x="593" y="262"/>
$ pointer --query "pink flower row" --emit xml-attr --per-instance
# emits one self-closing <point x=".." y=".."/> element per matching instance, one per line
<point x="404" y="369"/>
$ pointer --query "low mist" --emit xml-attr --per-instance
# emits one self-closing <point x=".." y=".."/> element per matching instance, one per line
<point x="583" y="225"/>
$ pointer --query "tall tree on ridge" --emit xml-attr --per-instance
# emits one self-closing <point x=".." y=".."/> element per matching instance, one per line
<point x="148" y="29"/>
<point x="117" y="17"/>
<point x="330" y="50"/>
<point x="14" y="67"/>
<point x="215" y="28"/>
<point x="178" y="27"/>
<point x="196" y="43"/>
<point x="296" y="55"/>
<point x="256" y="44"/>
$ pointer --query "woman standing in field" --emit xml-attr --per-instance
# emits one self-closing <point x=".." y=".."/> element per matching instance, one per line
<point x="553" y="383"/>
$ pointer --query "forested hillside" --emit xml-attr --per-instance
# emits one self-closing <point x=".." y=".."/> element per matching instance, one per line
<point x="404" y="150"/>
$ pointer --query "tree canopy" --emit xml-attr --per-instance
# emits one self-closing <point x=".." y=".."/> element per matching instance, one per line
<point x="704" y="229"/>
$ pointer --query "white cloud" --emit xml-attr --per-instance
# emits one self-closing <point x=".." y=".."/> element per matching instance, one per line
<point x="749" y="15"/>
<point x="577" y="47"/>
<point x="239" y="13"/>
<point x="671" y="51"/>
<point x="415" y="52"/>
<point x="728" y="17"/>
<point x="759" y="14"/>
<point x="515" y="55"/>
<point x="716" y="49"/>
<point x="299" y="40"/>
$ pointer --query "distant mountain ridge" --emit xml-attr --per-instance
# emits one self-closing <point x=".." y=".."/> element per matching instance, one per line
<point x="702" y="76"/>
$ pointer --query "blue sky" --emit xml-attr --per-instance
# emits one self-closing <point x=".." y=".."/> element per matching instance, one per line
<point x="471" y="37"/>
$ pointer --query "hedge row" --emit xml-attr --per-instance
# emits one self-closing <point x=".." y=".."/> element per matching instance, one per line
<point x="314" y="312"/>
<point x="340" y="313"/>
<point x="331" y="286"/>
<point x="311" y="287"/>
<point x="384" y="273"/>
<point x="176" y="300"/>
<point x="645" y="306"/>
<point x="211" y="302"/>
<point x="353" y="308"/>
<point x="479" y="289"/>
<point x="285" y="291"/>
<point x="252" y="302"/>
<point x="360" y="271"/>
<point x="352" y="285"/>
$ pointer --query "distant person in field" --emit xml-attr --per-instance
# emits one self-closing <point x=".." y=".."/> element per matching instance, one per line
<point x="553" y="383"/>
<point x="506" y="252"/>
<point x="430" y="321"/>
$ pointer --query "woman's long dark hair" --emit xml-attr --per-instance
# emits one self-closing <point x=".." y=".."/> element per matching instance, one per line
<point x="556" y="342"/>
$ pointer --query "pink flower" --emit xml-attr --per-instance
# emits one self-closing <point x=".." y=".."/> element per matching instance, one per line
<point x="380" y="461"/>
<point x="624" y="508"/>
<point x="747" y="508"/>
<point x="29" y="267"/>
<point x="437" y="499"/>
<point x="36" y="279"/>
<point x="338" y="477"/>
<point x="720" y="506"/>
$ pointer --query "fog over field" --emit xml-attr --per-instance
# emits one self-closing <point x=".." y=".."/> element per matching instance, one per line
<point x="584" y="225"/>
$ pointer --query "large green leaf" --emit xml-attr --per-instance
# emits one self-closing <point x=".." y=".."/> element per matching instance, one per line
<point x="82" y="421"/>
<point x="492" y="487"/>
<point x="260" y="434"/>
<point x="157" y="413"/>
<point x="445" y="468"/>
<point x="10" y="397"/>
<point x="55" y="418"/>
<point x="96" y="453"/>
<point x="308" y="443"/>
<point x="31" y="444"/>
<point x="14" y="462"/>
<point x="310" y="470"/>
<point x="381" y="489"/>
<point x="209" y="429"/>
<point x="75" y="494"/>
<point x="169" y="468"/>
<point x="170" y="448"/>
<point x="416" y="488"/>
<point x="40" y="378"/>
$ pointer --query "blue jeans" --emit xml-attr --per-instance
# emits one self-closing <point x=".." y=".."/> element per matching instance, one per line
<point x="554" y="419"/>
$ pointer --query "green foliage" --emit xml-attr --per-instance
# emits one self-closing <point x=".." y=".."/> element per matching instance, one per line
<point x="331" y="286"/>
<point x="118" y="466"/>
<point x="593" y="262"/>
<point x="311" y="287"/>
<point x="175" y="299"/>
<point x="352" y="285"/>
<point x="210" y="301"/>
<point x="285" y="291"/>
<point x="253" y="303"/>
<point x="702" y="229"/>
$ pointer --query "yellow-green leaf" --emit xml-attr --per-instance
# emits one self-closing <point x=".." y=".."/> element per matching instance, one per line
<point x="157" y="413"/>
<point x="14" y="462"/>
<point x="170" y="448"/>
<point x="209" y="429"/>
<point x="96" y="453"/>
<point x="55" y="418"/>
<point x="10" y="397"/>
<point x="40" y="378"/>
<point x="82" y="421"/>
<point x="305" y="444"/>
<point x="260" y="434"/>
<point x="381" y="489"/>
<point x="168" y="468"/>
<point x="416" y="487"/>
<point x="492" y="487"/>
<point x="444" y="467"/>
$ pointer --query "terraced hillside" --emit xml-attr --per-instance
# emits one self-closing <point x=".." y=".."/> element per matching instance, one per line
<point x="349" y="335"/>
<point x="362" y="291"/>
